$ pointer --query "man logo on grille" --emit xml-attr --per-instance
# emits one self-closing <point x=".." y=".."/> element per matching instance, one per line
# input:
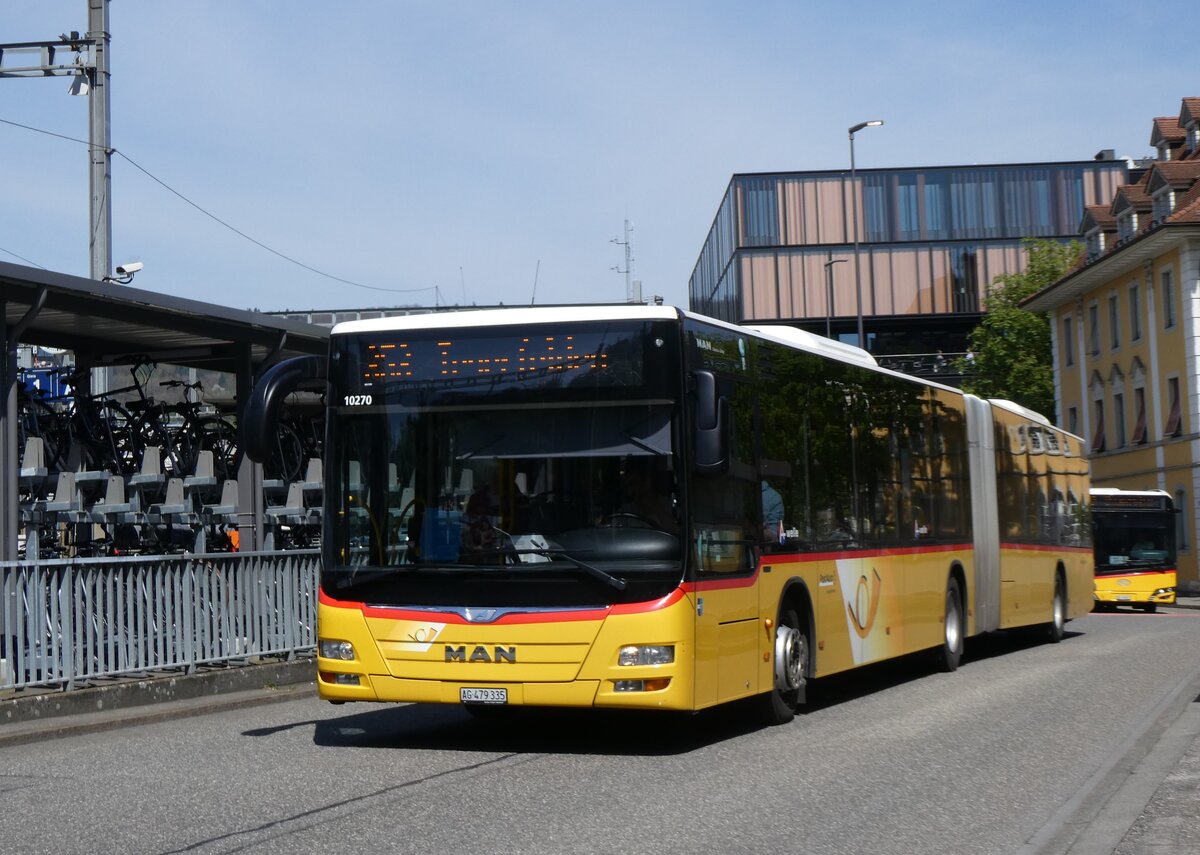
<point x="481" y="654"/>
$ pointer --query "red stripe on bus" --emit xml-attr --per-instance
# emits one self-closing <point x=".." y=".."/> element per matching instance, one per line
<point x="1046" y="547"/>
<point x="1116" y="574"/>
<point x="508" y="619"/>
<point x="723" y="583"/>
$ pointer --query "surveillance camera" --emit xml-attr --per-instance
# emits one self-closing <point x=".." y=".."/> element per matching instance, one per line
<point x="129" y="268"/>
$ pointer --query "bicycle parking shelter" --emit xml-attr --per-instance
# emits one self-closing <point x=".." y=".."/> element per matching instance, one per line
<point x="107" y="324"/>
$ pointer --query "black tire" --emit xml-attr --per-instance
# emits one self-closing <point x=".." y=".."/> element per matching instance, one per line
<point x="949" y="655"/>
<point x="1058" y="612"/>
<point x="286" y="460"/>
<point x="791" y="664"/>
<point x="104" y="431"/>
<point x="219" y="436"/>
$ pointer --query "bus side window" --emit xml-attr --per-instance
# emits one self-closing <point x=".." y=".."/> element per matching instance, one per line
<point x="726" y="506"/>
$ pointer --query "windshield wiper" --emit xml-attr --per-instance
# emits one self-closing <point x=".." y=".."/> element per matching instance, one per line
<point x="604" y="576"/>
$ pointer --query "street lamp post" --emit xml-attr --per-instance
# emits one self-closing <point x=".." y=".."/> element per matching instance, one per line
<point x="862" y="340"/>
<point x="829" y="287"/>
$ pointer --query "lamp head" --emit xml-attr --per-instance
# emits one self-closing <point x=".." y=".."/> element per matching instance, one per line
<point x="874" y="123"/>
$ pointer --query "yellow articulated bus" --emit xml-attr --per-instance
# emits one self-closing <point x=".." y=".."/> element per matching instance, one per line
<point x="1134" y="537"/>
<point x="639" y="507"/>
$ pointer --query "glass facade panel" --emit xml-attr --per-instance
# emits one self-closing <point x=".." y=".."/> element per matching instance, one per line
<point x="897" y="281"/>
<point x="941" y="233"/>
<point x="760" y="214"/>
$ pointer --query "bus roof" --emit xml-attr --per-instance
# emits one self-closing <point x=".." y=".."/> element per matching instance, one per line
<point x="460" y="318"/>
<point x="1013" y="407"/>
<point x="1117" y="491"/>
<point x="814" y="343"/>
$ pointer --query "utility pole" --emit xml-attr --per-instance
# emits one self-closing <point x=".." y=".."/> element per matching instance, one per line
<point x="628" y="271"/>
<point x="100" y="142"/>
<point x="89" y="68"/>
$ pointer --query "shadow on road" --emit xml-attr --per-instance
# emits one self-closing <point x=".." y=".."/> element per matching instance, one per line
<point x="872" y="679"/>
<point x="530" y="730"/>
<point x="516" y="730"/>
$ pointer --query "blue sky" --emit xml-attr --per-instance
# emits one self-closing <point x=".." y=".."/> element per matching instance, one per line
<point x="490" y="152"/>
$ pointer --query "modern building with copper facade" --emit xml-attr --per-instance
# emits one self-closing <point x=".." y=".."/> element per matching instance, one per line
<point x="931" y="239"/>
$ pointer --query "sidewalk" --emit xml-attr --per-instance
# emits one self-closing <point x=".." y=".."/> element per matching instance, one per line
<point x="1169" y="821"/>
<point x="1148" y="801"/>
<point x="36" y="714"/>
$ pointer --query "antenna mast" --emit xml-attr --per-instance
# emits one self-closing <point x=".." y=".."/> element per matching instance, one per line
<point x="628" y="271"/>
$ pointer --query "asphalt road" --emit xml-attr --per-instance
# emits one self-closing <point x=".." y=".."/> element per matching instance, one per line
<point x="1028" y="748"/>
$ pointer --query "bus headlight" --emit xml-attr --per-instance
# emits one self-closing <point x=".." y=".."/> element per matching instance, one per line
<point x="331" y="649"/>
<point x="641" y="685"/>
<point x="341" y="679"/>
<point x="646" y="654"/>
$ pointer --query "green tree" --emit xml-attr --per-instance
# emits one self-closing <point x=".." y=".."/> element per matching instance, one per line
<point x="1011" y="346"/>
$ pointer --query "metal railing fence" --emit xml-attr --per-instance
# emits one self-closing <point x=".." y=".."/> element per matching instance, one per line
<point x="63" y="622"/>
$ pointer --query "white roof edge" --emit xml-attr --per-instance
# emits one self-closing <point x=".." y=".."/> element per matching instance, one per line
<point x="465" y="318"/>
<point x="1014" y="407"/>
<point x="813" y="342"/>
<point x="460" y="318"/>
<point x="1109" y="491"/>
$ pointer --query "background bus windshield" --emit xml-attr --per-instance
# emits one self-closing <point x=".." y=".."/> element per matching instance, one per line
<point x="1133" y="540"/>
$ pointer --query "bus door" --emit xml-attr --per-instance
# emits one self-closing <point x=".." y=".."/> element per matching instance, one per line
<point x="723" y="509"/>
<point x="728" y="627"/>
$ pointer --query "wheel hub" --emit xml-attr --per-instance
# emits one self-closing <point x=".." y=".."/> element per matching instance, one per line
<point x="953" y="628"/>
<point x="791" y="654"/>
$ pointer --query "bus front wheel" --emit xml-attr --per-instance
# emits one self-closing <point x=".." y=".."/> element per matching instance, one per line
<point x="791" y="669"/>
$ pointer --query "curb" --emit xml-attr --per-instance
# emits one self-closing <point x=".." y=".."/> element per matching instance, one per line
<point x="47" y="715"/>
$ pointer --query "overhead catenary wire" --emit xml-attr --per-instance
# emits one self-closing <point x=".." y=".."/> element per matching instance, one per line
<point x="21" y="257"/>
<point x="213" y="216"/>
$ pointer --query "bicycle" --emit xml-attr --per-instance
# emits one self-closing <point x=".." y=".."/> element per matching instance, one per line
<point x="299" y="438"/>
<point x="182" y="430"/>
<point x="79" y="430"/>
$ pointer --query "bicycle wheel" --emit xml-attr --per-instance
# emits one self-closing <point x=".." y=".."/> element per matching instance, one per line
<point x="161" y="425"/>
<point x="287" y="455"/>
<point x="219" y="436"/>
<point x="184" y="441"/>
<point x="104" y="431"/>
<point x="36" y="418"/>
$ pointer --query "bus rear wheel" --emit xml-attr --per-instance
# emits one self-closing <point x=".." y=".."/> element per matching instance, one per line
<point x="1058" y="612"/>
<point x="950" y="653"/>
<point x="791" y="670"/>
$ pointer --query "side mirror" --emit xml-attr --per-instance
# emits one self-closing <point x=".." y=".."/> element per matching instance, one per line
<point x="260" y="418"/>
<point x="711" y="430"/>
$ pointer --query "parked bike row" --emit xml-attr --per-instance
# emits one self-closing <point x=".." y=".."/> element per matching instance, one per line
<point x="106" y="476"/>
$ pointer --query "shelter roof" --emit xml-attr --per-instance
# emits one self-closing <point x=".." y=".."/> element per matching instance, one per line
<point x="110" y="324"/>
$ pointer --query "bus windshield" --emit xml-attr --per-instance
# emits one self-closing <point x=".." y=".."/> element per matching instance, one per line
<point x="1133" y="540"/>
<point x="500" y="469"/>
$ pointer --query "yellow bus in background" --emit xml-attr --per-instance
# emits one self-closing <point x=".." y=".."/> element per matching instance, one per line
<point x="1134" y="537"/>
<point x="637" y="507"/>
